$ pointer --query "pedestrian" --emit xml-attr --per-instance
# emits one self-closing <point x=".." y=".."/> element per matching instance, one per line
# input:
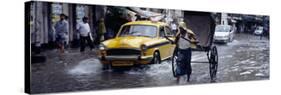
<point x="101" y="30"/>
<point x="184" y="41"/>
<point x="84" y="31"/>
<point x="174" y="27"/>
<point x="61" y="31"/>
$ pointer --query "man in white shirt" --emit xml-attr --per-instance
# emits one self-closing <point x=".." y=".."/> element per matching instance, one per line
<point x="184" y="40"/>
<point x="174" y="27"/>
<point x="184" y="54"/>
<point x="84" y="30"/>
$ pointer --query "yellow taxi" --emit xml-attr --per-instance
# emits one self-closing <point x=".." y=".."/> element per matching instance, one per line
<point x="138" y="42"/>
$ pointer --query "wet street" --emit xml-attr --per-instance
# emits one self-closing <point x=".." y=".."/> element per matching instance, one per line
<point x="246" y="58"/>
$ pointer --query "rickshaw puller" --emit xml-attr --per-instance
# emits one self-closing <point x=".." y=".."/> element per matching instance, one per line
<point x="183" y="42"/>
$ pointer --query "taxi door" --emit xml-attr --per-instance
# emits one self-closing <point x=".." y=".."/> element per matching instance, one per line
<point x="171" y="36"/>
<point x="164" y="44"/>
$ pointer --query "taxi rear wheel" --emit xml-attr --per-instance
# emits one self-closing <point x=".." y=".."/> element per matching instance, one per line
<point x="156" y="58"/>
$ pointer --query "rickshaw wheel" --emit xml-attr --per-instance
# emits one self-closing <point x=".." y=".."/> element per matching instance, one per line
<point x="213" y="63"/>
<point x="174" y="63"/>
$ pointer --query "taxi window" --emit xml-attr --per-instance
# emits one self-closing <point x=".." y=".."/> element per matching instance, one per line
<point x="169" y="32"/>
<point x="139" y="30"/>
<point x="161" y="32"/>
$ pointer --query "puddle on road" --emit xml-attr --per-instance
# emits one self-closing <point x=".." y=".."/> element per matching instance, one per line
<point x="246" y="72"/>
<point x="233" y="43"/>
<point x="89" y="72"/>
<point x="259" y="75"/>
<point x="227" y="56"/>
<point x="93" y="66"/>
<point x="86" y="67"/>
<point x="153" y="69"/>
<point x="157" y="69"/>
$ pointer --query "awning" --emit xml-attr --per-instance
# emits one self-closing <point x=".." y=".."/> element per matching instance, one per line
<point x="147" y="14"/>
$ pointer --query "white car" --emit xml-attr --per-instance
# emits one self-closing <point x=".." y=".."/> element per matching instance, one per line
<point x="224" y="33"/>
<point x="258" y="31"/>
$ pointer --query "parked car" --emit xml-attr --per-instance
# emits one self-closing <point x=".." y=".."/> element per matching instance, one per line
<point x="138" y="42"/>
<point x="224" y="33"/>
<point x="259" y="30"/>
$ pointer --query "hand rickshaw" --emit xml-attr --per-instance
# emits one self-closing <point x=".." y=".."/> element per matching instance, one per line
<point x="203" y="26"/>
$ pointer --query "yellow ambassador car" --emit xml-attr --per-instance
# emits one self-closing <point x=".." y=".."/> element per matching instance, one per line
<point x="138" y="42"/>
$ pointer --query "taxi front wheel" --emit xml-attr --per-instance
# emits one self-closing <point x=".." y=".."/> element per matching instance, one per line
<point x="156" y="58"/>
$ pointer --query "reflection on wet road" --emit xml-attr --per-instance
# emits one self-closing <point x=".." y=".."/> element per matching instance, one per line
<point x="246" y="58"/>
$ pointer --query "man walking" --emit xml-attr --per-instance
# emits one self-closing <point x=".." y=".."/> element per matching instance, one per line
<point x="174" y="27"/>
<point x="61" y="29"/>
<point x="101" y="30"/>
<point x="185" y="39"/>
<point x="84" y="30"/>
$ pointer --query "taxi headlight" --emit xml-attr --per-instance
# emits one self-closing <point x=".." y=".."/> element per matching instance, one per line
<point x="143" y="47"/>
<point x="102" y="47"/>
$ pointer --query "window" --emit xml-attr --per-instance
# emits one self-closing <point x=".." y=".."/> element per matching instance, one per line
<point x="56" y="11"/>
<point x="80" y="13"/>
<point x="168" y="31"/>
<point x="161" y="32"/>
<point x="139" y="30"/>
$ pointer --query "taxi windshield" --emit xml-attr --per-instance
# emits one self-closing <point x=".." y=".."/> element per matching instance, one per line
<point x="139" y="30"/>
